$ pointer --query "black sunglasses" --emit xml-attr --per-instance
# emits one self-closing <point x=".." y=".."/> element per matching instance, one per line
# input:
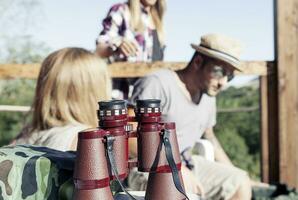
<point x="219" y="72"/>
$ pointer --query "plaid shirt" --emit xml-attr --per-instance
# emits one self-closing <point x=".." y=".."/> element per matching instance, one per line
<point x="116" y="26"/>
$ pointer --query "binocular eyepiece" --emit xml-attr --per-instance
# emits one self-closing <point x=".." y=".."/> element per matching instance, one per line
<point x="114" y="105"/>
<point x="112" y="113"/>
<point x="148" y="111"/>
<point x="148" y="106"/>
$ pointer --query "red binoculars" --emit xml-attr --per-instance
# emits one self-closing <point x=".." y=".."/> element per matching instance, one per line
<point x="102" y="153"/>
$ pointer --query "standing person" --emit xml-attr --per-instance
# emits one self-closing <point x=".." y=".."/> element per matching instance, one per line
<point x="132" y="31"/>
<point x="188" y="99"/>
<point x="70" y="84"/>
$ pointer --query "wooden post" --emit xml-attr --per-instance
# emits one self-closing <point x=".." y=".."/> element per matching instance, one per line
<point x="287" y="70"/>
<point x="269" y="126"/>
<point x="264" y="129"/>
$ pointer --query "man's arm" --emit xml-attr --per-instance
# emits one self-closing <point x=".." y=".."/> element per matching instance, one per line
<point x="220" y="154"/>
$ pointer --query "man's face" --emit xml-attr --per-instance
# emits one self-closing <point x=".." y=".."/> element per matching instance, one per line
<point x="216" y="74"/>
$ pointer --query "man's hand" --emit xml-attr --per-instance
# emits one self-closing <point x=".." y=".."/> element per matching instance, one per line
<point x="191" y="184"/>
<point x="220" y="154"/>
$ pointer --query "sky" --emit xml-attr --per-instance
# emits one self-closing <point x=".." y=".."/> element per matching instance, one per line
<point x="63" y="23"/>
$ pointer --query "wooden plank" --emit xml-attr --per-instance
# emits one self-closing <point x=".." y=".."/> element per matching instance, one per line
<point x="239" y="109"/>
<point x="8" y="71"/>
<point x="287" y="62"/>
<point x="255" y="68"/>
<point x="121" y="69"/>
<point x="12" y="108"/>
<point x="269" y="125"/>
<point x="264" y="129"/>
<point x="126" y="69"/>
<point x="273" y="138"/>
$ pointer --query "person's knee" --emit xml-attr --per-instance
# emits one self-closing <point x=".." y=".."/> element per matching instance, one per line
<point x="244" y="190"/>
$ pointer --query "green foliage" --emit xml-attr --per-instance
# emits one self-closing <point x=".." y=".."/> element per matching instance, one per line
<point x="239" y="132"/>
<point x="14" y="92"/>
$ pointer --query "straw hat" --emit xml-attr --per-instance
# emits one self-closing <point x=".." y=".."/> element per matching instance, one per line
<point x="222" y="48"/>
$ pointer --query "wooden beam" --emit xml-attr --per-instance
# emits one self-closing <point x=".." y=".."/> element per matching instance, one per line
<point x="8" y="71"/>
<point x="287" y="69"/>
<point x="11" y="108"/>
<point x="121" y="69"/>
<point x="273" y="139"/>
<point x="269" y="126"/>
<point x="126" y="69"/>
<point x="264" y="129"/>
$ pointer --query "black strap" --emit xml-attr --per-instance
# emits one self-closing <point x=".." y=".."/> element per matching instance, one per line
<point x="172" y="164"/>
<point x="186" y="158"/>
<point x="111" y="156"/>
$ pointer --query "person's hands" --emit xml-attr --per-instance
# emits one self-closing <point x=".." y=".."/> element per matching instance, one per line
<point x="191" y="184"/>
<point x="128" y="48"/>
<point x="259" y="184"/>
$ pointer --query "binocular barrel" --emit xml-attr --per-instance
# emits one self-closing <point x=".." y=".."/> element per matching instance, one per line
<point x="151" y="150"/>
<point x="91" y="175"/>
<point x="158" y="153"/>
<point x="113" y="118"/>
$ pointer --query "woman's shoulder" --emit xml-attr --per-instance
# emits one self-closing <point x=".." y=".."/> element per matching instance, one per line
<point x="59" y="137"/>
<point x="68" y="128"/>
<point x="62" y="132"/>
<point x="119" y="7"/>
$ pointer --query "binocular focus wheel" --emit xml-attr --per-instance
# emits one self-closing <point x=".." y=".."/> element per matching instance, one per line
<point x="147" y="110"/>
<point x="112" y="112"/>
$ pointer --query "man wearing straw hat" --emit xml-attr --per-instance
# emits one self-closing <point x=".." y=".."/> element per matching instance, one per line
<point x="188" y="99"/>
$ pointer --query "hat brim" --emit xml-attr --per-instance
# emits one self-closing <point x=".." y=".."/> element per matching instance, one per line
<point x="236" y="64"/>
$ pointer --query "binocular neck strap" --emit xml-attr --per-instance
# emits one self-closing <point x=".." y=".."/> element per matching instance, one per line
<point x="111" y="156"/>
<point x="171" y="161"/>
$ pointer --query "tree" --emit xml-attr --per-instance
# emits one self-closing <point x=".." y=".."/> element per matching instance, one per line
<point x="15" y="48"/>
<point x="239" y="132"/>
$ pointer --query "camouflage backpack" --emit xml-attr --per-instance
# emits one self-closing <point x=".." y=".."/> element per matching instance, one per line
<point x="30" y="172"/>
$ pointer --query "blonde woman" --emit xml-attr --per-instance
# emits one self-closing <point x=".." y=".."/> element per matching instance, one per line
<point x="133" y="31"/>
<point x="70" y="83"/>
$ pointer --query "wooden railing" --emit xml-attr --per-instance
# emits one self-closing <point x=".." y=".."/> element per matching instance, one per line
<point x="117" y="70"/>
<point x="120" y="69"/>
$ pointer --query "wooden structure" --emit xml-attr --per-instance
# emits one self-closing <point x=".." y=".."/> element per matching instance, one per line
<point x="278" y="88"/>
<point x="280" y="105"/>
<point x="287" y="68"/>
<point x="119" y="69"/>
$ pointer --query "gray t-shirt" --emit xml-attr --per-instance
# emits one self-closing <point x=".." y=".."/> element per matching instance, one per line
<point x="191" y="119"/>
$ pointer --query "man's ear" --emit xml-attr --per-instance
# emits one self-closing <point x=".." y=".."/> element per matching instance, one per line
<point x="198" y="61"/>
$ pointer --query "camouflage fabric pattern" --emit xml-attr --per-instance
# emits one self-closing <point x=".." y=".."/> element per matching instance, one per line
<point x="30" y="172"/>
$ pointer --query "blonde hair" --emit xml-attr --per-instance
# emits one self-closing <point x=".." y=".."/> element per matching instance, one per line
<point x="70" y="83"/>
<point x="157" y="13"/>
